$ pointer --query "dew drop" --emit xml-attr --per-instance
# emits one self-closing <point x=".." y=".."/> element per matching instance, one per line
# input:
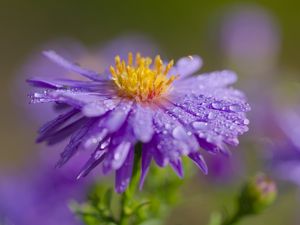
<point x="105" y="144"/>
<point x="246" y="121"/>
<point x="199" y="125"/>
<point x="211" y="115"/>
<point x="117" y="156"/>
<point x="217" y="105"/>
<point x="179" y="133"/>
<point x="235" y="108"/>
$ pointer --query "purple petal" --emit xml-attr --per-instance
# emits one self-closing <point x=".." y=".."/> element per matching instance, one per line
<point x="44" y="83"/>
<point x="56" y="136"/>
<point x="142" y="123"/>
<point x="74" y="143"/>
<point x="199" y="161"/>
<point x="186" y="66"/>
<point x="146" y="161"/>
<point x="216" y="121"/>
<point x="123" y="174"/>
<point x="211" y="84"/>
<point x="117" y="117"/>
<point x="116" y="156"/>
<point x="172" y="137"/>
<point x="98" y="108"/>
<point x="177" y="167"/>
<point x="95" y="159"/>
<point x="71" y="66"/>
<point x="58" y="121"/>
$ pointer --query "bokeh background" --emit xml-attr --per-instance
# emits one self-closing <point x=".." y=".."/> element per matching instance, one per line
<point x="179" y="28"/>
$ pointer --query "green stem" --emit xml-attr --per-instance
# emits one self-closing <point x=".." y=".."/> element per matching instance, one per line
<point x="235" y="218"/>
<point x="128" y="195"/>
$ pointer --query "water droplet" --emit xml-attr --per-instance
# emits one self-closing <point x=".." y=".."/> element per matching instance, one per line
<point x="179" y="133"/>
<point x="217" y="105"/>
<point x="199" y="125"/>
<point x="105" y="144"/>
<point x="235" y="108"/>
<point x="117" y="156"/>
<point x="232" y="127"/>
<point x="201" y="135"/>
<point x="211" y="115"/>
<point x="246" y="121"/>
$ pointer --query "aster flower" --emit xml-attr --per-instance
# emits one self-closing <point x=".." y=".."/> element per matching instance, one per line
<point x="97" y="58"/>
<point x="138" y="100"/>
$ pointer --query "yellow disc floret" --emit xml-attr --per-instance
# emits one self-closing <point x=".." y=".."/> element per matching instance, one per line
<point x="140" y="79"/>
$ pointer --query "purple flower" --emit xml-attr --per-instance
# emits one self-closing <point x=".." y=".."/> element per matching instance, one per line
<point x="250" y="36"/>
<point x="172" y="113"/>
<point x="285" y="146"/>
<point x="39" y="195"/>
<point x="97" y="58"/>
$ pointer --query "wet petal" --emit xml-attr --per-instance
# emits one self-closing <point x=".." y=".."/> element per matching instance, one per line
<point x="123" y="175"/>
<point x="95" y="159"/>
<point x="146" y="161"/>
<point x="142" y="123"/>
<point x="118" y="116"/>
<point x="74" y="143"/>
<point x="216" y="121"/>
<point x="199" y="161"/>
<point x="116" y="156"/>
<point x="187" y="66"/>
<point x="177" y="167"/>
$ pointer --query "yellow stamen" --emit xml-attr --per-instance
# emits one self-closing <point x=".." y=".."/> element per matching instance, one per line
<point x="140" y="80"/>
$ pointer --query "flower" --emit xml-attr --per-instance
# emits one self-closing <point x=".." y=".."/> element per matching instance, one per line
<point x="250" y="36"/>
<point x="98" y="57"/>
<point x="136" y="100"/>
<point x="40" y="195"/>
<point x="284" y="145"/>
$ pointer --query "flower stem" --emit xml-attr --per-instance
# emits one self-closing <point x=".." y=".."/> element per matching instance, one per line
<point x="235" y="218"/>
<point x="128" y="195"/>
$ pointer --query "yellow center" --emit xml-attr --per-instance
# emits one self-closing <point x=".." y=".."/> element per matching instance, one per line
<point x="141" y="80"/>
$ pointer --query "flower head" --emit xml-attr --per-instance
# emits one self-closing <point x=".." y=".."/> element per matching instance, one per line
<point x="139" y="101"/>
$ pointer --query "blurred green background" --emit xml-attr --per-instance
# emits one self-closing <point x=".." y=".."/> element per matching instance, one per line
<point x="178" y="27"/>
